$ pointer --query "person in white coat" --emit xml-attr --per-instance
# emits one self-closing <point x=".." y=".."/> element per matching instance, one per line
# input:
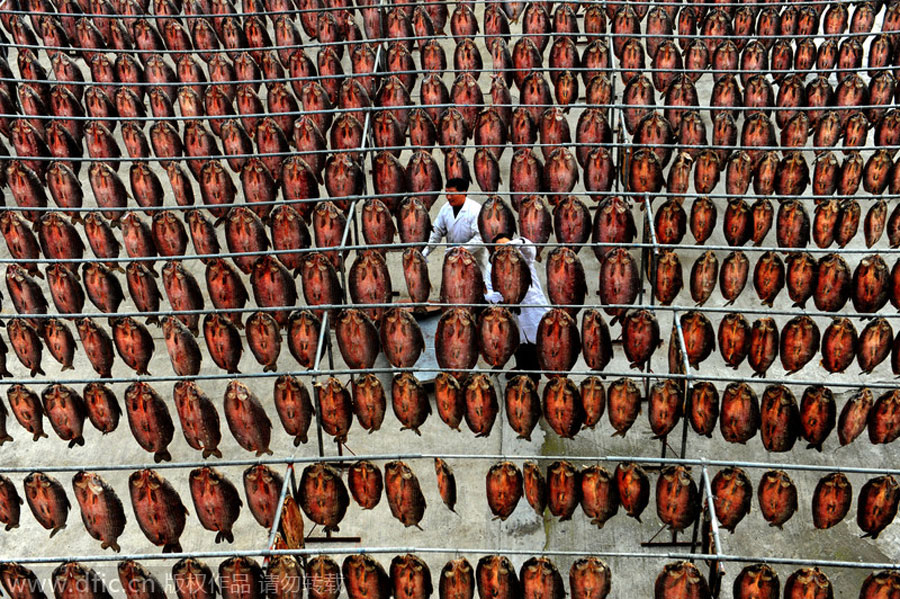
<point x="457" y="220"/>
<point x="535" y="304"/>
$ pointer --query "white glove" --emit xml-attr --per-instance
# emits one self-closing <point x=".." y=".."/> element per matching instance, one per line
<point x="493" y="297"/>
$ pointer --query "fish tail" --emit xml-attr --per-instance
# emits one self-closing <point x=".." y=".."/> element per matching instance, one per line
<point x="225" y="535"/>
<point x="56" y="530"/>
<point x="162" y="455"/>
<point x="173" y="547"/>
<point x="4" y="438"/>
<point x="79" y="440"/>
<point x="67" y="367"/>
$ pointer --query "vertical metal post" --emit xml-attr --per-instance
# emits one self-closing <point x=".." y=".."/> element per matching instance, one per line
<point x="276" y="521"/>
<point x="688" y="380"/>
<point x="648" y="269"/>
<point x="715" y="568"/>
<point x="616" y="114"/>
<point x="323" y="331"/>
<point x="351" y="221"/>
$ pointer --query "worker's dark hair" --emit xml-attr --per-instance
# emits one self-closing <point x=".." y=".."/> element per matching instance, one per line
<point x="458" y="183"/>
<point x="503" y="234"/>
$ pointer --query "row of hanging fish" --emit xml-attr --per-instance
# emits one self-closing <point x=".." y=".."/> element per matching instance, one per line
<point x="834" y="222"/>
<point x="571" y="221"/>
<point x="786" y="176"/>
<point x="461" y="339"/>
<point x="869" y="285"/>
<point x="826" y="280"/>
<point x="567" y="407"/>
<point x="318" y="577"/>
<point x="409" y="577"/>
<point x="149" y="417"/>
<point x="678" y="501"/>
<point x="683" y="580"/>
<point x="158" y="509"/>
<point x="323" y="497"/>
<point x="161" y="514"/>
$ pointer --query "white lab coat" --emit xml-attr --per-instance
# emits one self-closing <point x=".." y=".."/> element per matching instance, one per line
<point x="530" y="317"/>
<point x="461" y="230"/>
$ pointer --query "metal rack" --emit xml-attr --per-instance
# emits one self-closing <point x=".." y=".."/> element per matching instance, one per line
<point x="711" y="549"/>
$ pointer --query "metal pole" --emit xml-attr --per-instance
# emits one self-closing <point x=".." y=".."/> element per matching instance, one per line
<point x="715" y="572"/>
<point x="384" y="457"/>
<point x="276" y="522"/>
<point x="636" y="374"/>
<point x="356" y="550"/>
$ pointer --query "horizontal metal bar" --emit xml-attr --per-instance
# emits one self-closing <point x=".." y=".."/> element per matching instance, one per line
<point x="636" y="374"/>
<point x="575" y="105"/>
<point x="451" y="71"/>
<point x="415" y="38"/>
<point x="373" y="550"/>
<point x="354" y="550"/>
<point x="398" y="246"/>
<point x="487" y="194"/>
<point x="325" y="8"/>
<point x="438" y="304"/>
<point x="492" y="457"/>
<point x="336" y="8"/>
<point x="444" y="148"/>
